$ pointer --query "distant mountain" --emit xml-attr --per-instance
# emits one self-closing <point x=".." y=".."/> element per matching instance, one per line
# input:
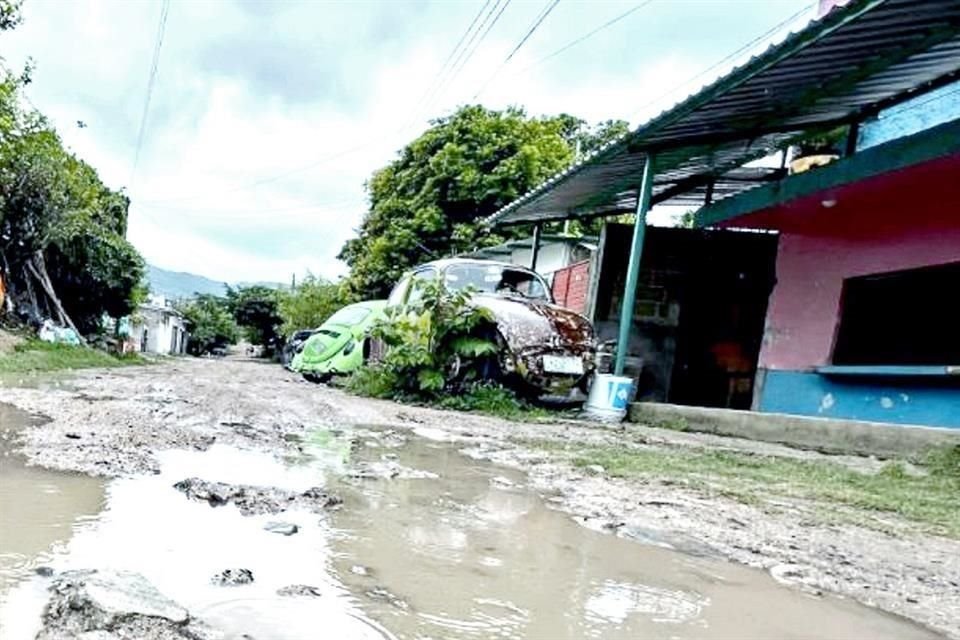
<point x="177" y="284"/>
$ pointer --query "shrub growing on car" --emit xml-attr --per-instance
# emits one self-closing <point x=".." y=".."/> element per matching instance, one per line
<point x="435" y="343"/>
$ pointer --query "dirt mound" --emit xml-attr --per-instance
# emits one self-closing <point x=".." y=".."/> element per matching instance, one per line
<point x="109" y="605"/>
<point x="255" y="500"/>
<point x="9" y="341"/>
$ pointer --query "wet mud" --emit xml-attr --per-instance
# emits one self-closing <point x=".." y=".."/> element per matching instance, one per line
<point x="252" y="500"/>
<point x="449" y="526"/>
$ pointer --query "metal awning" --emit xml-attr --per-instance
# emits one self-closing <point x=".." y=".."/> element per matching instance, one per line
<point x="840" y="70"/>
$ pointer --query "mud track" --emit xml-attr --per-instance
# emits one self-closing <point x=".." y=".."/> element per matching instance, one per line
<point x="111" y="423"/>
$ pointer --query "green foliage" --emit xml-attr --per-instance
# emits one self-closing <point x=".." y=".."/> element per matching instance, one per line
<point x="10" y="15"/>
<point x="375" y="381"/>
<point x="55" y="209"/>
<point x="434" y="343"/>
<point x="491" y="399"/>
<point x="256" y="310"/>
<point x="945" y="462"/>
<point x="927" y="499"/>
<point x="429" y="201"/>
<point x="36" y="356"/>
<point x="309" y="304"/>
<point x="211" y="324"/>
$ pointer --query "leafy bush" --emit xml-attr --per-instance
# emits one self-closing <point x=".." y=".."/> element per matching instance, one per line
<point x="436" y="342"/>
<point x="211" y="324"/>
<point x="309" y="304"/>
<point x="492" y="399"/>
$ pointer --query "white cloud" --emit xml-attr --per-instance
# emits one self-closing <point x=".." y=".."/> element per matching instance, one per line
<point x="247" y="92"/>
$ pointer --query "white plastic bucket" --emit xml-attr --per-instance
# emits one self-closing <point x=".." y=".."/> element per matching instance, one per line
<point x="609" y="397"/>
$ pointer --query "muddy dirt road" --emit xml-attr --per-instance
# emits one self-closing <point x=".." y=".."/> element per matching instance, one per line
<point x="229" y="499"/>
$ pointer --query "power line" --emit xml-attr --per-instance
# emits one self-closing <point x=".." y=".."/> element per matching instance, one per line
<point x="589" y="35"/>
<point x="275" y="178"/>
<point x="151" y="81"/>
<point x="453" y="53"/>
<point x="466" y="58"/>
<point x="536" y="24"/>
<point x="766" y="34"/>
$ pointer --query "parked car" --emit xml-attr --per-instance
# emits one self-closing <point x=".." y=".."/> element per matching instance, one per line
<point x="544" y="349"/>
<point x="337" y="346"/>
<point x="294" y="345"/>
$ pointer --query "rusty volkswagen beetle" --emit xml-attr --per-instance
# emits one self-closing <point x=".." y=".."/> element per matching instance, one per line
<point x="545" y="349"/>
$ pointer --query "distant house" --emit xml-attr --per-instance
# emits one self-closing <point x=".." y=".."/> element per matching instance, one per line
<point x="159" y="328"/>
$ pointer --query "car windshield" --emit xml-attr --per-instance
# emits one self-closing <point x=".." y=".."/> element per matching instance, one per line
<point x="497" y="279"/>
<point x="349" y="316"/>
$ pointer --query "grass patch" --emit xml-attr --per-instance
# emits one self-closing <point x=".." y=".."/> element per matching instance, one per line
<point x="493" y="400"/>
<point x="37" y="356"/>
<point x="483" y="397"/>
<point x="931" y="500"/>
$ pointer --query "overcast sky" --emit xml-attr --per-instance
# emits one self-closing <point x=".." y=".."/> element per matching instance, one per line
<point x="267" y="117"/>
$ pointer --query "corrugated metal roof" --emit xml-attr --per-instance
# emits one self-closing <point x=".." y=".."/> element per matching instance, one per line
<point x="843" y="68"/>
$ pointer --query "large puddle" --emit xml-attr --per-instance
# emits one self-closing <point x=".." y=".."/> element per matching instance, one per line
<point x="462" y="551"/>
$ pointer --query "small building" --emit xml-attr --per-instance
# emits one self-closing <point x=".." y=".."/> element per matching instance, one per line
<point x="157" y="327"/>
<point x="828" y="292"/>
<point x="564" y="261"/>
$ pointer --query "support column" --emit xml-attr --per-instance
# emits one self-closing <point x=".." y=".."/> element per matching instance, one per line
<point x="535" y="249"/>
<point x="633" y="266"/>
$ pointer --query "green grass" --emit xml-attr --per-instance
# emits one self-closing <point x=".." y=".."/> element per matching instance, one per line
<point x="34" y="356"/>
<point x="493" y="400"/>
<point x="485" y="398"/>
<point x="931" y="500"/>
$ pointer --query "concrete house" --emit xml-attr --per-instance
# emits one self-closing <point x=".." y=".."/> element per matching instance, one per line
<point x="159" y="328"/>
<point x="826" y="293"/>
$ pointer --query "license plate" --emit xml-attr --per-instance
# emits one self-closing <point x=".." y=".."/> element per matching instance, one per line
<point x="563" y="364"/>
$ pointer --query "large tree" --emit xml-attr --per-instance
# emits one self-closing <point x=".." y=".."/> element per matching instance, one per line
<point x="63" y="252"/>
<point x="255" y="309"/>
<point x="428" y="202"/>
<point x="309" y="304"/>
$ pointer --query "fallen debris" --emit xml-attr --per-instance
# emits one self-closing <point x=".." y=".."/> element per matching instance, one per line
<point x="299" y="590"/>
<point x="233" y="577"/>
<point x="253" y="500"/>
<point x="114" y="605"/>
<point x="283" y="528"/>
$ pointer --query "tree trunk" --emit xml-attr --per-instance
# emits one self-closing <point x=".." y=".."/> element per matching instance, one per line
<point x="38" y="268"/>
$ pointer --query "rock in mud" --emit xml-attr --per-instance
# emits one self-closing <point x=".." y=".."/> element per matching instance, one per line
<point x="114" y="605"/>
<point x="233" y="577"/>
<point x="387" y="470"/>
<point x="283" y="528"/>
<point x="253" y="500"/>
<point x="384" y="595"/>
<point x="360" y="570"/>
<point x="301" y="590"/>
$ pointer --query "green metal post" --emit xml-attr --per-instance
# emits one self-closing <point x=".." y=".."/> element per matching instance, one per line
<point x="633" y="267"/>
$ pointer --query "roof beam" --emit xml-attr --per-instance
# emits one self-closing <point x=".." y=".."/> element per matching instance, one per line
<point x="940" y="141"/>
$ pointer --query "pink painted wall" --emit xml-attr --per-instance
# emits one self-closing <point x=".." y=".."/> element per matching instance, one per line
<point x="805" y="304"/>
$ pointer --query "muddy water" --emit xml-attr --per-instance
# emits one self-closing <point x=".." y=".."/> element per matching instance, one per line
<point x="463" y="550"/>
<point x="39" y="509"/>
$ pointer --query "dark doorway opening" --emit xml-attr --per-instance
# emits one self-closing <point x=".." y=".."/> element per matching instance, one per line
<point x="701" y="306"/>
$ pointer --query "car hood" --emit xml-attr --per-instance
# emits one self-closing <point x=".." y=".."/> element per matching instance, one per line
<point x="326" y="342"/>
<point x="533" y="323"/>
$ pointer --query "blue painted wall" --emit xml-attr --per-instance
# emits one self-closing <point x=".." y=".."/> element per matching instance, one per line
<point x="918" y="114"/>
<point x="934" y="403"/>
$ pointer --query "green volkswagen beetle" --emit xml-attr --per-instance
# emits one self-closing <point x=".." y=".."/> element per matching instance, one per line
<point x="337" y="345"/>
